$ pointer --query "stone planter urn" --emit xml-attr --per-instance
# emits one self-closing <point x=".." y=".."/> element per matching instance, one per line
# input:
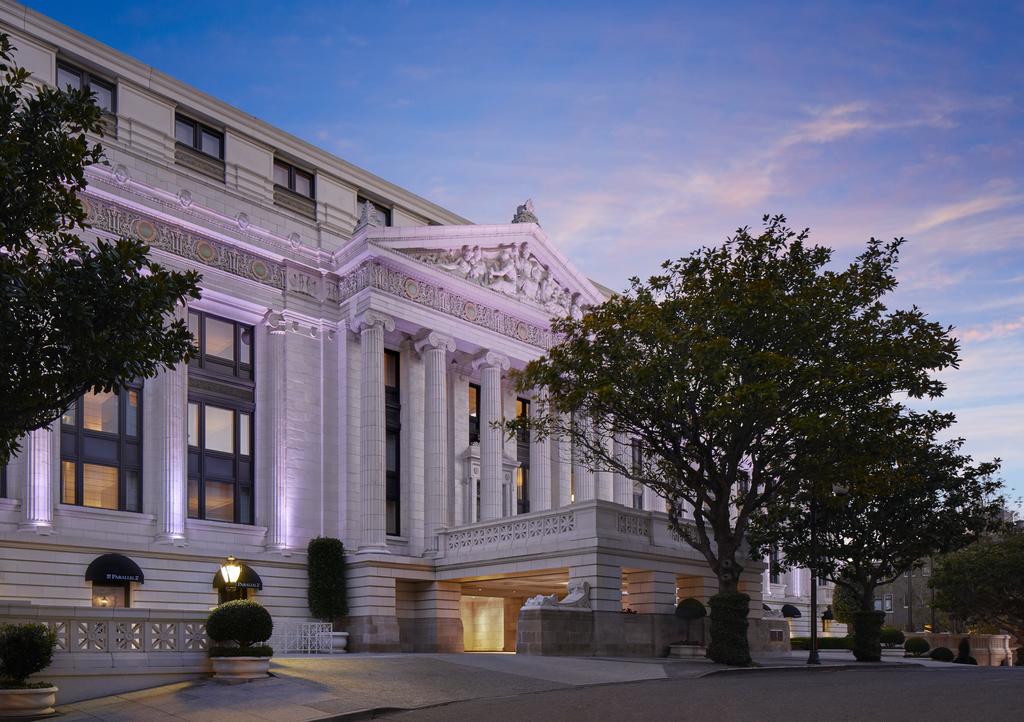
<point x="339" y="642"/>
<point x="240" y="669"/>
<point x="27" y="702"/>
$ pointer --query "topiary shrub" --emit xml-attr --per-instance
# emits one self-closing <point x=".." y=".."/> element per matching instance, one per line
<point x="729" y="629"/>
<point x="24" y="650"/>
<point x="325" y="564"/>
<point x="823" y="643"/>
<point x="690" y="609"/>
<point x="892" y="637"/>
<point x="941" y="654"/>
<point x="916" y="646"/>
<point x="243" y="622"/>
<point x="963" y="652"/>
<point x="867" y="636"/>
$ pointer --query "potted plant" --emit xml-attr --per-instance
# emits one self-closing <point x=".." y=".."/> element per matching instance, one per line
<point x="327" y="593"/>
<point x="24" y="650"/>
<point x="239" y="628"/>
<point x="690" y="610"/>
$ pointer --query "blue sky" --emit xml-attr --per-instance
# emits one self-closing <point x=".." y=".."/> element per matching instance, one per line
<point x="642" y="130"/>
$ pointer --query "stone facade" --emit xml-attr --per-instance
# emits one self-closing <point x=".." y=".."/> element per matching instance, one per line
<point x="332" y="288"/>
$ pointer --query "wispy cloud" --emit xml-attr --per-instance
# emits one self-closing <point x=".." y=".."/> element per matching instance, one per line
<point x="951" y="212"/>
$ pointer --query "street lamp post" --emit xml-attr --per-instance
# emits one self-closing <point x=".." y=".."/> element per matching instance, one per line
<point x="841" y="492"/>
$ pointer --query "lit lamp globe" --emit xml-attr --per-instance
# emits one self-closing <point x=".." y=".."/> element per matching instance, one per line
<point x="230" y="570"/>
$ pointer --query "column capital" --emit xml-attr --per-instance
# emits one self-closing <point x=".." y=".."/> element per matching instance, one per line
<point x="426" y="340"/>
<point x="275" y="322"/>
<point x="487" y="359"/>
<point x="371" y="318"/>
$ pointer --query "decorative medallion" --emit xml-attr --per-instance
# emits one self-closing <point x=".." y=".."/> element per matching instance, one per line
<point x="470" y="311"/>
<point x="145" y="230"/>
<point x="412" y="288"/>
<point x="260" y="270"/>
<point x="121" y="173"/>
<point x="205" y="251"/>
<point x="295" y="240"/>
<point x="243" y="221"/>
<point x="185" y="197"/>
<point x="522" y="331"/>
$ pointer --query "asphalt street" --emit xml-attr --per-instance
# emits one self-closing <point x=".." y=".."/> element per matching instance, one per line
<point x="879" y="695"/>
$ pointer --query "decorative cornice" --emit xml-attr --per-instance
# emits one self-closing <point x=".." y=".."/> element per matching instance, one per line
<point x="381" y="277"/>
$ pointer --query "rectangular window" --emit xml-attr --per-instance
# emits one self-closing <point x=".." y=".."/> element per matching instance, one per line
<point x="474" y="414"/>
<point x="101" y="451"/>
<point x="294" y="179"/>
<point x="78" y="79"/>
<point x="220" y="420"/>
<point x="523" y="457"/>
<point x="878" y="604"/>
<point x="393" y="443"/>
<point x="888" y="603"/>
<point x="199" y="137"/>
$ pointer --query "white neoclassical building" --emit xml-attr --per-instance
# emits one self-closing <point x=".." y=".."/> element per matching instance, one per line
<point x="355" y="342"/>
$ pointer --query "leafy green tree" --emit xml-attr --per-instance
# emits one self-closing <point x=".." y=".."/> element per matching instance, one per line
<point x="984" y="583"/>
<point x="734" y="368"/>
<point x="909" y="497"/>
<point x="76" y="315"/>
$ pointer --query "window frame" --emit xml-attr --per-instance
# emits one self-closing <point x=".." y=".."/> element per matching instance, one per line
<point x="523" y="457"/>
<point x="86" y="79"/>
<point x="293" y="171"/>
<point x="197" y="130"/>
<point x="474" y="420"/>
<point x="228" y="386"/>
<point x="393" y="427"/>
<point x="80" y="458"/>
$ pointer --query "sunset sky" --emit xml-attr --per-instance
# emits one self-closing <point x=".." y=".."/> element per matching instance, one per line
<point x="642" y="130"/>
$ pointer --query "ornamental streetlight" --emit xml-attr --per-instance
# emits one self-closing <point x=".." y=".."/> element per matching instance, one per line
<point x="230" y="571"/>
<point x="841" y="492"/>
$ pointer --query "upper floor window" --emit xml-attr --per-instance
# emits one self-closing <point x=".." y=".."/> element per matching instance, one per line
<point x="199" y="137"/>
<point x="78" y="79"/>
<point x="392" y="442"/>
<point x="383" y="214"/>
<point x="294" y="179"/>
<point x="223" y="347"/>
<point x="101" y="451"/>
<point x="474" y="414"/>
<point x="523" y="457"/>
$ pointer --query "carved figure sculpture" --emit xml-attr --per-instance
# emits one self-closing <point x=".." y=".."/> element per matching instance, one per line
<point x="524" y="213"/>
<point x="578" y="596"/>
<point x="549" y="601"/>
<point x="502" y="274"/>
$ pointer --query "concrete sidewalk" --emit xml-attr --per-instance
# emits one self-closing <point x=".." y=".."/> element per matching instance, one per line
<point x="311" y="688"/>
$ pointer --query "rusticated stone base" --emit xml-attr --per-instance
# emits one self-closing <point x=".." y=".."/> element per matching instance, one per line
<point x="559" y="632"/>
<point x="431" y="635"/>
<point x="372" y="634"/>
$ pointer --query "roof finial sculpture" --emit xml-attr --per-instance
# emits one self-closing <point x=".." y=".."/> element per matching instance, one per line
<point x="368" y="216"/>
<point x="524" y="213"/>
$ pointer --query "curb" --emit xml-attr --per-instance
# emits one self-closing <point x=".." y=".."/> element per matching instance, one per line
<point x="812" y="668"/>
<point x="363" y="714"/>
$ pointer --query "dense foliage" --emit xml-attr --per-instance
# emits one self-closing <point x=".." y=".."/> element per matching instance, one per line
<point x="691" y="608"/>
<point x="823" y="643"/>
<point x="738" y="368"/>
<point x="24" y="650"/>
<point x="729" y="643"/>
<point x="942" y="654"/>
<point x="984" y="583"/>
<point x="892" y="637"/>
<point x="327" y="593"/>
<point x="916" y="646"/>
<point x="867" y="635"/>
<point x="243" y="621"/>
<point x="257" y="650"/>
<point x="963" y="652"/>
<point x="76" y="315"/>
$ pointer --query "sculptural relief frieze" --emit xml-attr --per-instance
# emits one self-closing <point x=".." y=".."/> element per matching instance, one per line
<point x="509" y="269"/>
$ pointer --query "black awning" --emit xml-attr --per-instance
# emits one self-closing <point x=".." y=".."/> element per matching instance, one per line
<point x="247" y="579"/>
<point x="765" y="607"/>
<point x="790" y="612"/>
<point x="113" y="568"/>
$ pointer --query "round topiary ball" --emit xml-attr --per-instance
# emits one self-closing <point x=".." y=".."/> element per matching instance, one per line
<point x="942" y="654"/>
<point x="916" y="646"/>
<point x="25" y="649"/>
<point x="243" y="621"/>
<point x="691" y="608"/>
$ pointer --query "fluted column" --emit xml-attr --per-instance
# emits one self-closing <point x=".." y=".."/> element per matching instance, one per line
<point x="434" y="348"/>
<point x="371" y="326"/>
<point x="540" y="459"/>
<point x="277" y="534"/>
<point x="604" y="478"/>
<point x="168" y="414"/>
<point x="582" y="474"/>
<point x="38" y="502"/>
<point x="561" y="465"/>
<point x="490" y="365"/>
<point x="622" y="485"/>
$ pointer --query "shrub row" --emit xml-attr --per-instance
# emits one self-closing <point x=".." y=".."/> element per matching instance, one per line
<point x="823" y="642"/>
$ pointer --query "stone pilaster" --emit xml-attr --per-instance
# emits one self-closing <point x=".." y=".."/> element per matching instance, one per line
<point x="37" y="506"/>
<point x="605" y="584"/>
<point x="167" y="416"/>
<point x="434" y="348"/>
<point x="277" y="532"/>
<point x="622" y="485"/>
<point x="371" y="326"/>
<point x="490" y="365"/>
<point x="604" y="478"/>
<point x="540" y="459"/>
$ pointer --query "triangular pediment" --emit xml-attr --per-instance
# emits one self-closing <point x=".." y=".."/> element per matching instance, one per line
<point x="515" y="260"/>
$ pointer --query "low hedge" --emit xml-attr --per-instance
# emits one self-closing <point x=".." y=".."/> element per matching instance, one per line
<point x="262" y="650"/>
<point x="942" y="654"/>
<point x="892" y="637"/>
<point x="823" y="643"/>
<point x="916" y="646"/>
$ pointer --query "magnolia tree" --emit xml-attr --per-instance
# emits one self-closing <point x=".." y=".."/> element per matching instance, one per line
<point x="906" y="496"/>
<point x="75" y="316"/>
<point x="734" y="368"/>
